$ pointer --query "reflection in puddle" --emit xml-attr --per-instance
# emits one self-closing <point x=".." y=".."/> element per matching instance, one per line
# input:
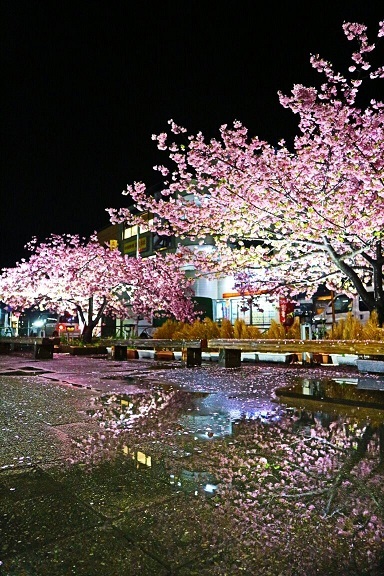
<point x="345" y="391"/>
<point x="172" y="421"/>
<point x="276" y="472"/>
<point x="163" y="428"/>
<point x="214" y="414"/>
<point x="185" y="480"/>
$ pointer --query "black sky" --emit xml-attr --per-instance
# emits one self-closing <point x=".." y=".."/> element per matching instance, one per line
<point x="86" y="83"/>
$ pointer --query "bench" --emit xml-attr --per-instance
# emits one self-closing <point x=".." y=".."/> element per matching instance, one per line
<point x="42" y="347"/>
<point x="191" y="349"/>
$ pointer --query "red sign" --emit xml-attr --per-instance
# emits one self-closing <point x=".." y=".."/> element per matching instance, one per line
<point x="286" y="308"/>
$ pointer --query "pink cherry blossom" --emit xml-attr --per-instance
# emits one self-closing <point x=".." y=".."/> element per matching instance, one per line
<point x="291" y="217"/>
<point x="69" y="272"/>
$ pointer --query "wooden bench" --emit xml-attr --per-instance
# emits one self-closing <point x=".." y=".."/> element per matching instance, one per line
<point x="231" y="348"/>
<point x="42" y="347"/>
<point x="191" y="349"/>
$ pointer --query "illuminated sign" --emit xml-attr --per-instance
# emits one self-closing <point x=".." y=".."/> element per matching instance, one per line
<point x="131" y="246"/>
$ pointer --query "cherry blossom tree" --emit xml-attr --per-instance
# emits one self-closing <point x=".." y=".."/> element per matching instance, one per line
<point x="68" y="272"/>
<point x="286" y="218"/>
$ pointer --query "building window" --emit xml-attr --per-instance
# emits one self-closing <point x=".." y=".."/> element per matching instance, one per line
<point x="130" y="231"/>
<point x="135" y="230"/>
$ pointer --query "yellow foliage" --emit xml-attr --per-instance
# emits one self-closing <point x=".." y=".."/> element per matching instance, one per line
<point x="276" y="331"/>
<point x="240" y="329"/>
<point x="212" y="328"/>
<point x="201" y="329"/>
<point x="166" y="330"/>
<point x="349" y="329"/>
<point x="293" y="332"/>
<point x="254" y="333"/>
<point x="226" y="329"/>
<point x="352" y="329"/>
<point x="372" y="330"/>
<point x="182" y="331"/>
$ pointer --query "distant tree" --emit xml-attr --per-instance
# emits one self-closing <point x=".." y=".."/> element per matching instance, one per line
<point x="286" y="220"/>
<point x="68" y="272"/>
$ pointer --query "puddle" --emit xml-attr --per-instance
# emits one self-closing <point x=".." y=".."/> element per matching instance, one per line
<point x="25" y="371"/>
<point x="120" y="377"/>
<point x="208" y="471"/>
<point x="178" y="421"/>
<point x="360" y="392"/>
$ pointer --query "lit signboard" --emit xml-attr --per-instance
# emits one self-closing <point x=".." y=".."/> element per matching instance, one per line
<point x="131" y="245"/>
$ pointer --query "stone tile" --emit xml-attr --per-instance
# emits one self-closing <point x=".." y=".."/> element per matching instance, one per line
<point x="114" y="488"/>
<point x="25" y="484"/>
<point x="30" y="523"/>
<point x="181" y="531"/>
<point x="101" y="551"/>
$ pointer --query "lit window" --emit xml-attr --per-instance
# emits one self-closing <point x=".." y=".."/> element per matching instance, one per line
<point x="130" y="231"/>
<point x="146" y="228"/>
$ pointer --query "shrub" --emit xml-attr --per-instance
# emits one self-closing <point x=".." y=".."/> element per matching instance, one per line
<point x="240" y="329"/>
<point x="372" y="330"/>
<point x="242" y="332"/>
<point x="352" y="329"/>
<point x="254" y="332"/>
<point x="198" y="330"/>
<point x="349" y="329"/>
<point x="202" y="329"/>
<point x="226" y="329"/>
<point x="276" y="331"/>
<point x="293" y="332"/>
<point x="166" y="330"/>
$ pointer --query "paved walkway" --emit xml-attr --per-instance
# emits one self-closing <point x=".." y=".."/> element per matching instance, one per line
<point x="94" y="372"/>
<point x="123" y="516"/>
<point x="60" y="520"/>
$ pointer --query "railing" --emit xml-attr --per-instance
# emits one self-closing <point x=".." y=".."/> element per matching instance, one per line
<point x="361" y="348"/>
<point x="154" y="343"/>
<point x="230" y="349"/>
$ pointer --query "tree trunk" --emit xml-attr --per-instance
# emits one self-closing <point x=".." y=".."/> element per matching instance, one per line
<point x="87" y="334"/>
<point x="91" y="323"/>
<point x="355" y="457"/>
<point x="378" y="283"/>
<point x="380" y="315"/>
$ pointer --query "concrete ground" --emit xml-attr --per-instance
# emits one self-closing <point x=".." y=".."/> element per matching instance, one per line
<point x="119" y="517"/>
<point x="60" y="520"/>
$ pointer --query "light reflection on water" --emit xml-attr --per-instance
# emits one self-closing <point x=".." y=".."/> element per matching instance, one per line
<point x="206" y="404"/>
<point x="202" y="461"/>
<point x="361" y="398"/>
<point x="211" y="399"/>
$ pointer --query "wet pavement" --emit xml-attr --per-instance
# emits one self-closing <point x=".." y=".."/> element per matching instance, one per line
<point x="78" y="497"/>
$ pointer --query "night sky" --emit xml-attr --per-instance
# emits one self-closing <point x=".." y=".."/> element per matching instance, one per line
<point x="86" y="84"/>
